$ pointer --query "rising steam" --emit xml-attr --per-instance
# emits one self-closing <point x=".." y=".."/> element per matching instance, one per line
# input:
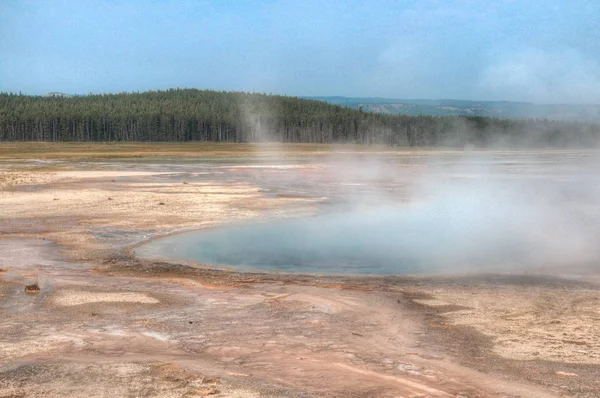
<point x="431" y="214"/>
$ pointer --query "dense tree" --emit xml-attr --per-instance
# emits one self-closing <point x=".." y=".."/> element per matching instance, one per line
<point x="203" y="115"/>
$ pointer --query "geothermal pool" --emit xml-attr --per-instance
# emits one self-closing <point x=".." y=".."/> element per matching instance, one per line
<point x="458" y="217"/>
<point x="474" y="230"/>
<point x="323" y="245"/>
<point x="330" y="244"/>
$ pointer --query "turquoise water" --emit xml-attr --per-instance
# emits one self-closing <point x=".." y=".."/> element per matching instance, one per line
<point x="323" y="245"/>
<point x="400" y="240"/>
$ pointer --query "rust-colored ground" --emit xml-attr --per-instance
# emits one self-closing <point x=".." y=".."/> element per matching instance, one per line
<point x="108" y="324"/>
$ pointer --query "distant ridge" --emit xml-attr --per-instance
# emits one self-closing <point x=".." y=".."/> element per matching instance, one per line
<point x="453" y="107"/>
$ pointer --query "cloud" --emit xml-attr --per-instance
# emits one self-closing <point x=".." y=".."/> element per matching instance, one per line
<point x="401" y="68"/>
<point x="542" y="76"/>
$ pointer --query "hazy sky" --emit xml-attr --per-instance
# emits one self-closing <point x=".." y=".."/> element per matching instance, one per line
<point x="523" y="50"/>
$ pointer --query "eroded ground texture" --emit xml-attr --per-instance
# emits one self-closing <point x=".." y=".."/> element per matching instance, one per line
<point x="106" y="324"/>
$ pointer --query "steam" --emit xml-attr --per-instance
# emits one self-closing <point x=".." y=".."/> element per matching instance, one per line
<point x="518" y="215"/>
<point x="420" y="213"/>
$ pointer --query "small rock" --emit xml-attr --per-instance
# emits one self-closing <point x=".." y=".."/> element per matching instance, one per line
<point x="34" y="288"/>
<point x="409" y="368"/>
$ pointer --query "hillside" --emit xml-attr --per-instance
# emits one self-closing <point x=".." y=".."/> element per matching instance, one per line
<point x="450" y="107"/>
<point x="203" y="115"/>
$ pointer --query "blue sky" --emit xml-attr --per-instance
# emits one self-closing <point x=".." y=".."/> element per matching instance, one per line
<point x="521" y="50"/>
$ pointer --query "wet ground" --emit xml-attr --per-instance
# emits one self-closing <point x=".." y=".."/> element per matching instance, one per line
<point x="106" y="323"/>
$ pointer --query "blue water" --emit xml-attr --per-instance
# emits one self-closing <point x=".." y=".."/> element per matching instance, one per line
<point x="439" y="236"/>
<point x="323" y="245"/>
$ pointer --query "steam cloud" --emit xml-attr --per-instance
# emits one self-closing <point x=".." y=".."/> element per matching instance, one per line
<point x="436" y="214"/>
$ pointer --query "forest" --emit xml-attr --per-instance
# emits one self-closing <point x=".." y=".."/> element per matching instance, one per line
<point x="180" y="115"/>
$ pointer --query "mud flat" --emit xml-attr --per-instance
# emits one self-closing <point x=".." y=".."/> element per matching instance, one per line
<point x="106" y="323"/>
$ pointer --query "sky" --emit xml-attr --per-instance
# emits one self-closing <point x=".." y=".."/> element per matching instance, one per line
<point x="543" y="51"/>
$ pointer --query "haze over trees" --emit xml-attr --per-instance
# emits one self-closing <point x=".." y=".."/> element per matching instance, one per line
<point x="453" y="107"/>
<point x="180" y="115"/>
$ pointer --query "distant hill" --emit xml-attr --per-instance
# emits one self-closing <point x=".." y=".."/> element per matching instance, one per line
<point x="450" y="107"/>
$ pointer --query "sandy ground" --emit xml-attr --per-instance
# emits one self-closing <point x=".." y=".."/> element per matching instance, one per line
<point x="107" y="324"/>
<point x="527" y="323"/>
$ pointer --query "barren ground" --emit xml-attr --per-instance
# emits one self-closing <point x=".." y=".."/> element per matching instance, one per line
<point x="108" y="324"/>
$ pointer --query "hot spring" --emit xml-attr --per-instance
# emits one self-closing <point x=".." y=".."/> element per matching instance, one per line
<point x="457" y="230"/>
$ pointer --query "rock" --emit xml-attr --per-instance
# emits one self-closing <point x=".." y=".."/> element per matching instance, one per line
<point x="409" y="368"/>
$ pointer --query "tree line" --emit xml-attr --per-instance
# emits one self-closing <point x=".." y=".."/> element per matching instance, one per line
<point x="203" y="115"/>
